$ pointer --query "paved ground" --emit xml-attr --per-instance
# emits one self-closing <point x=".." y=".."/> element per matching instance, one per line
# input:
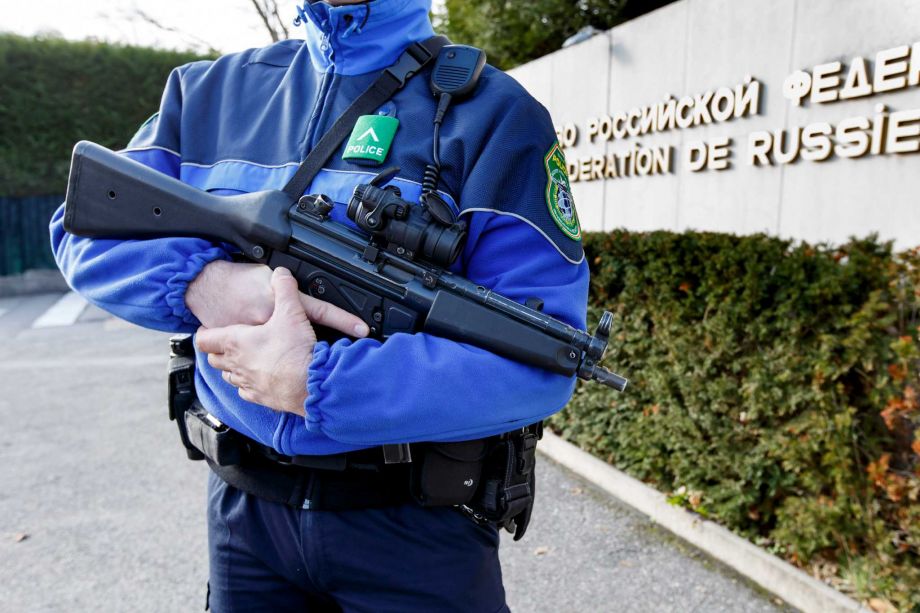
<point x="99" y="510"/>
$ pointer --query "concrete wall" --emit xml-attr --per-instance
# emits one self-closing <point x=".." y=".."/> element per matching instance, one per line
<point x="694" y="46"/>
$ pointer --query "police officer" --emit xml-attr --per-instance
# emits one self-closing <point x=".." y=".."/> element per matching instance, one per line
<point x="243" y="123"/>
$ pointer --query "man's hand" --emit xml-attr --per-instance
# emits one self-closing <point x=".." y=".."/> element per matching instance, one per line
<point x="228" y="293"/>
<point x="268" y="362"/>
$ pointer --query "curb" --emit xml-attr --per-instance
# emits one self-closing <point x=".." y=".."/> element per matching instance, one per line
<point x="33" y="282"/>
<point x="768" y="571"/>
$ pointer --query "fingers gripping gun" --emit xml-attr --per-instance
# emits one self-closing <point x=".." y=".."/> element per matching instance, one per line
<point x="394" y="277"/>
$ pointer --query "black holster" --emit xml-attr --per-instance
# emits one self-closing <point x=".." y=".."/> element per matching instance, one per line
<point x="507" y="493"/>
<point x="182" y="394"/>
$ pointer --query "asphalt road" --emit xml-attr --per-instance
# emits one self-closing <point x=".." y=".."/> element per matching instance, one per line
<point x="100" y="511"/>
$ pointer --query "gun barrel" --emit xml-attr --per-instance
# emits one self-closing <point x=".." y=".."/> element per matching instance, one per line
<point x="610" y="379"/>
<point x="465" y="311"/>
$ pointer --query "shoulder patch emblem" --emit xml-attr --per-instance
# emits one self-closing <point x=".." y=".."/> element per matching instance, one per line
<point x="559" y="194"/>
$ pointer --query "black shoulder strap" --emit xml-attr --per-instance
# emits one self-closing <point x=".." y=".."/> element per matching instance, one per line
<point x="390" y="81"/>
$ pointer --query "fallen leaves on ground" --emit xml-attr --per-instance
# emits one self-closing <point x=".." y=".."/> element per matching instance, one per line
<point x="880" y="605"/>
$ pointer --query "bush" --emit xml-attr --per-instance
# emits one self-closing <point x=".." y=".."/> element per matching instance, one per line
<point x="774" y="388"/>
<point x="55" y="92"/>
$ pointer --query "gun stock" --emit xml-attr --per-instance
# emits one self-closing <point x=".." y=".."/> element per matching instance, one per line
<point x="112" y="196"/>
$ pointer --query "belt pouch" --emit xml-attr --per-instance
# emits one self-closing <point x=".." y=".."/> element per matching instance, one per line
<point x="216" y="441"/>
<point x="447" y="474"/>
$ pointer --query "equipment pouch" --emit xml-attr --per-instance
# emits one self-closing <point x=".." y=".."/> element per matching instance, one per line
<point x="212" y="438"/>
<point x="447" y="474"/>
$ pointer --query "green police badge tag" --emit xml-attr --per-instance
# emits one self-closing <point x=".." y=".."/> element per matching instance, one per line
<point x="559" y="194"/>
<point x="370" y="139"/>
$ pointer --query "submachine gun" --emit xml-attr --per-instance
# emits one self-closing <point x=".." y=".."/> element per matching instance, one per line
<point x="394" y="277"/>
<point x="391" y="272"/>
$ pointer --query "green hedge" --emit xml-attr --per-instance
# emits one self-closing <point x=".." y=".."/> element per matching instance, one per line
<point x="55" y="92"/>
<point x="773" y="388"/>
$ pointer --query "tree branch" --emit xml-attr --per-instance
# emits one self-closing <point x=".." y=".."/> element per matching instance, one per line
<point x="265" y="14"/>
<point x="137" y="13"/>
<point x="280" y="21"/>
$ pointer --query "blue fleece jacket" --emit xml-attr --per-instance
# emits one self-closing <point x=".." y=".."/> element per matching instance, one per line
<point x="244" y="122"/>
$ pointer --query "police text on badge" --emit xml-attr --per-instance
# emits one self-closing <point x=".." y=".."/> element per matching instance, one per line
<point x="371" y="139"/>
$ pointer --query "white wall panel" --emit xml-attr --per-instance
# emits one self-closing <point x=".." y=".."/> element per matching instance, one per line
<point x="694" y="46"/>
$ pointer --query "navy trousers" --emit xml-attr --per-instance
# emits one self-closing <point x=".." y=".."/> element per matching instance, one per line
<point x="272" y="557"/>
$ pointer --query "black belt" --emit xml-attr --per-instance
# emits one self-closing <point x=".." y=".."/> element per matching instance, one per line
<point x="492" y="479"/>
<point x="354" y="480"/>
<point x="364" y="482"/>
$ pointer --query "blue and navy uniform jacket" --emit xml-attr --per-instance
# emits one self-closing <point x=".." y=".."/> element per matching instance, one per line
<point x="245" y="121"/>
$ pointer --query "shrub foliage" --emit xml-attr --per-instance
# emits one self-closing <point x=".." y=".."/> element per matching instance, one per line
<point x="55" y="92"/>
<point x="774" y="388"/>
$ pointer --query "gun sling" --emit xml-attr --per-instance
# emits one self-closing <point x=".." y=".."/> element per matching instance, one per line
<point x="390" y="81"/>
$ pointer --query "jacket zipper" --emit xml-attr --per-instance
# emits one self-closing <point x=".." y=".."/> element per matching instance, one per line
<point x="318" y="106"/>
<point x="323" y="94"/>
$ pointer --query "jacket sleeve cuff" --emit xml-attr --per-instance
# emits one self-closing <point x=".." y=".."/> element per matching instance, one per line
<point x="177" y="285"/>
<point x="316" y="384"/>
